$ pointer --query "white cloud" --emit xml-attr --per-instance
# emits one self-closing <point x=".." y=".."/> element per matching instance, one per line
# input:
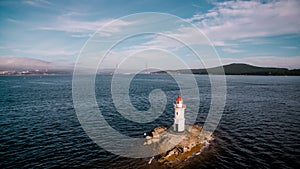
<point x="80" y="28"/>
<point x="15" y="21"/>
<point x="37" y="3"/>
<point x="233" y="20"/>
<point x="256" y="41"/>
<point x="232" y="50"/>
<point x="5" y="47"/>
<point x="47" y="52"/>
<point x="74" y="26"/>
<point x="219" y="43"/>
<point x="159" y="42"/>
<point x="289" y="47"/>
<point x="82" y="35"/>
<point x="173" y="40"/>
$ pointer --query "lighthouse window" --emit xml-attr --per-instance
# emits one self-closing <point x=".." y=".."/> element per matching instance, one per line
<point x="177" y="113"/>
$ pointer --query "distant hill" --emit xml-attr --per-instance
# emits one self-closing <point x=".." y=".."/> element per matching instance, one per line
<point x="21" y="63"/>
<point x="237" y="69"/>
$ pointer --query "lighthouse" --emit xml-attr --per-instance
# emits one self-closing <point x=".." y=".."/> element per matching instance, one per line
<point x="179" y="120"/>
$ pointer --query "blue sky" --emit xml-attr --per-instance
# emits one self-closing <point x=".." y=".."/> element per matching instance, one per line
<point x="263" y="33"/>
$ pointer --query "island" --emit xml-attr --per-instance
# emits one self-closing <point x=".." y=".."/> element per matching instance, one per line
<point x="181" y="140"/>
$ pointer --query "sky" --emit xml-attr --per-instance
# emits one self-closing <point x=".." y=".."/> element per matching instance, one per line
<point x="53" y="32"/>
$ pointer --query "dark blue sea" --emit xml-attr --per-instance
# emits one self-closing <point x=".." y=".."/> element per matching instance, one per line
<point x="39" y="127"/>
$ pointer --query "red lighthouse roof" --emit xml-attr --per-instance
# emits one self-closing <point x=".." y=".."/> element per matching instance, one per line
<point x="179" y="99"/>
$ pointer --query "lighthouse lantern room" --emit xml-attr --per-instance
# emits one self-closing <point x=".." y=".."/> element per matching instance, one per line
<point x="179" y="120"/>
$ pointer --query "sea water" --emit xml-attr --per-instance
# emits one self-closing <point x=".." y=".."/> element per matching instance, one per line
<point x="39" y="127"/>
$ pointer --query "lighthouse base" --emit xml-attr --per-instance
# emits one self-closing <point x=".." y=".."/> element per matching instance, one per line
<point x="177" y="129"/>
<point x="179" y="125"/>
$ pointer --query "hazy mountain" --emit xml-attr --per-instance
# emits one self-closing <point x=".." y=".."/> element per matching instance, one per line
<point x="20" y="63"/>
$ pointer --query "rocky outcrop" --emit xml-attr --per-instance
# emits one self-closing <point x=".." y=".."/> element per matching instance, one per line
<point x="178" y="145"/>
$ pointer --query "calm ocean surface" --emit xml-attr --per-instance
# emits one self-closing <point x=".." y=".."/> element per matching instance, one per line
<point x="39" y="127"/>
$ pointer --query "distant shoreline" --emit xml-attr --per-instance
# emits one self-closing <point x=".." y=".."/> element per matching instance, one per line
<point x="231" y="69"/>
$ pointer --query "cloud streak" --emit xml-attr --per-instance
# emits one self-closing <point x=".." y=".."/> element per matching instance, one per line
<point x="47" y="52"/>
<point x="78" y="28"/>
<point x="232" y="50"/>
<point x="37" y="3"/>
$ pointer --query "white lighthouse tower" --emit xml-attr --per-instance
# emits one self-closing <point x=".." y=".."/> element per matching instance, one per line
<point x="179" y="120"/>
